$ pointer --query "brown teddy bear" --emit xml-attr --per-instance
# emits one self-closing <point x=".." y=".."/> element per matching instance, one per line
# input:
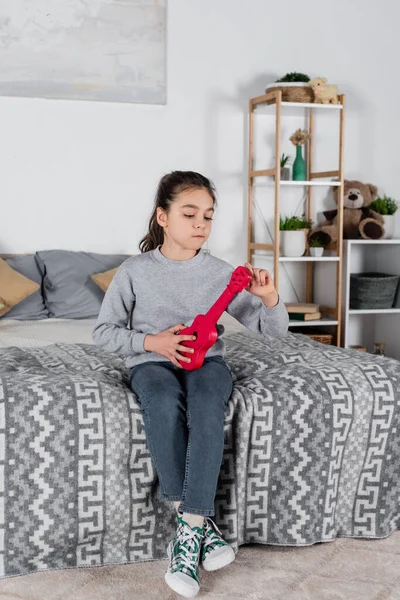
<point x="359" y="221"/>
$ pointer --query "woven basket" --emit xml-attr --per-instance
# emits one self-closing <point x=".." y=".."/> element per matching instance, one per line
<point x="322" y="338"/>
<point x="292" y="92"/>
<point x="373" y="290"/>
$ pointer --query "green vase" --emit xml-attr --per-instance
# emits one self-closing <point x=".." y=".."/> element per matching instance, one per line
<point x="299" y="166"/>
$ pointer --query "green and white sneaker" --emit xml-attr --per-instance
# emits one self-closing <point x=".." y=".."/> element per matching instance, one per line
<point x="215" y="551"/>
<point x="184" y="554"/>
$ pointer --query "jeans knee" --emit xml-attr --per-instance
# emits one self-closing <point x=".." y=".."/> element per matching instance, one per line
<point x="157" y="387"/>
<point x="171" y="418"/>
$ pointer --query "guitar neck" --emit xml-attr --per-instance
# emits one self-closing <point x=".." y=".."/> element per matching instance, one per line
<point x="220" y="305"/>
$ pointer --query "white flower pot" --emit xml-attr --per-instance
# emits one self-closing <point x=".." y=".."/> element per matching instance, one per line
<point x="316" y="251"/>
<point x="289" y="84"/>
<point x="388" y="223"/>
<point x="293" y="243"/>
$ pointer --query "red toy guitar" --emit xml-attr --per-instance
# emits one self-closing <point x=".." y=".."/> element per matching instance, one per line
<point x="204" y="326"/>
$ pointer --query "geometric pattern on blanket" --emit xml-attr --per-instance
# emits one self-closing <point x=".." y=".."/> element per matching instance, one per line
<point x="311" y="453"/>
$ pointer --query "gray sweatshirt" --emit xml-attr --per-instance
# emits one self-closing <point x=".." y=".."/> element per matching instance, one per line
<point x="150" y="293"/>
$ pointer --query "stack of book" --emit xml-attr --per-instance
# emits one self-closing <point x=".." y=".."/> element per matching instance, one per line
<point x="303" y="311"/>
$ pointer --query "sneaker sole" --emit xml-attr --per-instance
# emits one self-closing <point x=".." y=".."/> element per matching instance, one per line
<point x="179" y="587"/>
<point x="220" y="561"/>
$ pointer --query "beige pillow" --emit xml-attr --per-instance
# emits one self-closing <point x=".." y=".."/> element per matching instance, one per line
<point x="103" y="280"/>
<point x="14" y="287"/>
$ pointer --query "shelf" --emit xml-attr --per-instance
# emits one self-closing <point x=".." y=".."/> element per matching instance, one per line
<point x="373" y="311"/>
<point x="266" y="247"/>
<point x="305" y="183"/>
<point x="363" y="326"/>
<point x="269" y="105"/>
<point x="309" y="258"/>
<point x="312" y="105"/>
<point x="261" y="102"/>
<point x="297" y="109"/>
<point x="383" y="241"/>
<point x="320" y="322"/>
<point x="312" y="181"/>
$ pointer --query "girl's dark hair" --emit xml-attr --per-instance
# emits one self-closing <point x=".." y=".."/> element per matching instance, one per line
<point x="169" y="186"/>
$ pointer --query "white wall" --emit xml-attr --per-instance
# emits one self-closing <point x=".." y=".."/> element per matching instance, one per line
<point x="82" y="175"/>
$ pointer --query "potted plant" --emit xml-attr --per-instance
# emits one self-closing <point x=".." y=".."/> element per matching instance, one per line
<point x="285" y="170"/>
<point x="294" y="87"/>
<point x="316" y="246"/>
<point x="299" y="138"/>
<point x="386" y="207"/>
<point x="293" y="235"/>
<point x="294" y="77"/>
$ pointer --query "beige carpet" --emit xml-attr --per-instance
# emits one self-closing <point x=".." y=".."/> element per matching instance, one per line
<point x="346" y="569"/>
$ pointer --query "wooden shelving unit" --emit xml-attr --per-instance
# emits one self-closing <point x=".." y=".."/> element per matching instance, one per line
<point x="274" y="100"/>
<point x="365" y="326"/>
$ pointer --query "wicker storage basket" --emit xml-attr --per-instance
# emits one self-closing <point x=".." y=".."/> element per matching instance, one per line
<point x="322" y="338"/>
<point x="292" y="92"/>
<point x="373" y="290"/>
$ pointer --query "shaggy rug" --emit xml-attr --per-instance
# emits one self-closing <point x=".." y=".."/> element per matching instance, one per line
<point x="346" y="569"/>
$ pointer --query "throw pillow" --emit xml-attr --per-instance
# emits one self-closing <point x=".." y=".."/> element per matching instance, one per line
<point x="69" y="292"/>
<point x="14" y="287"/>
<point x="32" y="308"/>
<point x="103" y="280"/>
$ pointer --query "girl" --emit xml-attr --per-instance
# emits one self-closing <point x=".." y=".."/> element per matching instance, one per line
<point x="159" y="292"/>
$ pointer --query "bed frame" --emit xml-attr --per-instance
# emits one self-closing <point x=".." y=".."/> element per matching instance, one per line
<point x="15" y="255"/>
<point x="32" y="253"/>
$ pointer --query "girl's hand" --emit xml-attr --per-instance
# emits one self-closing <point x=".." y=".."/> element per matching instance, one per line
<point x="262" y="285"/>
<point x="167" y="343"/>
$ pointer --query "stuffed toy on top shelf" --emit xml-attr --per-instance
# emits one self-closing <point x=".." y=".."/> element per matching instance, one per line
<point x="323" y="93"/>
<point x="359" y="221"/>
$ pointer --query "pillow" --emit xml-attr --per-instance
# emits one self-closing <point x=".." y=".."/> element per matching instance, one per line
<point x="14" y="288"/>
<point x="68" y="290"/>
<point x="103" y="280"/>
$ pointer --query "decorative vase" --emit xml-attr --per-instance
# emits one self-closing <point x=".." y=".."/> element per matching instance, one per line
<point x="316" y="251"/>
<point x="293" y="243"/>
<point x="388" y="224"/>
<point x="299" y="166"/>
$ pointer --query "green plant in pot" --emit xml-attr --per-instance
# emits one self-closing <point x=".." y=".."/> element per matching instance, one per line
<point x="285" y="169"/>
<point x="294" y="86"/>
<point x="386" y="207"/>
<point x="294" y="77"/>
<point x="298" y="139"/>
<point x="293" y="231"/>
<point x="316" y="246"/>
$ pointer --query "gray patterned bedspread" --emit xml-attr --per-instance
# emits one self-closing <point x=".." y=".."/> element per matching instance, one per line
<point x="312" y="452"/>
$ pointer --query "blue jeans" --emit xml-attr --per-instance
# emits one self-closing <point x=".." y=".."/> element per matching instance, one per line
<point x="183" y="413"/>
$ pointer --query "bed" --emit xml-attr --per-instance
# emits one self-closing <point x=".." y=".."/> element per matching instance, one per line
<point x="312" y="449"/>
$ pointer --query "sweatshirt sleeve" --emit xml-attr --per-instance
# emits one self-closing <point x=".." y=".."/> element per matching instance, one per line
<point x="270" y="322"/>
<point x="111" y="330"/>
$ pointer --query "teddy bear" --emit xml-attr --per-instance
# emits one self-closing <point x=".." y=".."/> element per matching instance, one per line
<point x="359" y="221"/>
<point x="324" y="94"/>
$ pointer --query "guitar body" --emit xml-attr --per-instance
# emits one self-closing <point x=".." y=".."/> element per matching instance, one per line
<point x="204" y="327"/>
<point x="206" y="335"/>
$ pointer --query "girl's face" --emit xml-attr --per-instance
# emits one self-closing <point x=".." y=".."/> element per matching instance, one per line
<point x="188" y="222"/>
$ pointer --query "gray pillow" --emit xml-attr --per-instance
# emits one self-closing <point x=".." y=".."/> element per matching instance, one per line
<point x="68" y="290"/>
<point x="33" y="307"/>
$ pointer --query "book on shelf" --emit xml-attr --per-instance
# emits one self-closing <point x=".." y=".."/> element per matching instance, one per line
<point x="301" y="307"/>
<point x="305" y="316"/>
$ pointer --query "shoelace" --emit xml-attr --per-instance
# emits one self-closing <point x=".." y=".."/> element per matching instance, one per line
<point x="210" y="536"/>
<point x="190" y="551"/>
